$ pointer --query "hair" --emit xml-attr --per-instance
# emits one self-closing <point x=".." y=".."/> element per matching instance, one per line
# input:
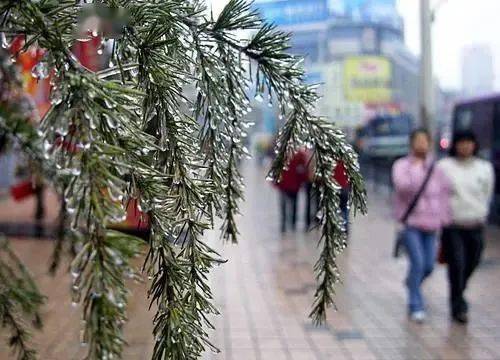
<point x="463" y="135"/>
<point x="419" y="131"/>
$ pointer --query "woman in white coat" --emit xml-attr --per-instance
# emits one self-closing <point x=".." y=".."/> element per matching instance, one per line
<point x="471" y="182"/>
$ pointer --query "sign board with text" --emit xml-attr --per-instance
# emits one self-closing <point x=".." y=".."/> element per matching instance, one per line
<point x="367" y="79"/>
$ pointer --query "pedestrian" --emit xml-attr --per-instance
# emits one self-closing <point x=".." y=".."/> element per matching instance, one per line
<point x="471" y="190"/>
<point x="311" y="192"/>
<point x="420" y="190"/>
<point x="340" y="177"/>
<point x="292" y="179"/>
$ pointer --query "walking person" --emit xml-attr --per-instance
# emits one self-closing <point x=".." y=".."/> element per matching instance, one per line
<point x="292" y="179"/>
<point x="420" y="191"/>
<point x="471" y="190"/>
<point x="340" y="177"/>
<point x="311" y="192"/>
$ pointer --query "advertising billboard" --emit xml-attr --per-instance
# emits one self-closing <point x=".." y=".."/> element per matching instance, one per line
<point x="292" y="12"/>
<point x="376" y="11"/>
<point x="368" y="79"/>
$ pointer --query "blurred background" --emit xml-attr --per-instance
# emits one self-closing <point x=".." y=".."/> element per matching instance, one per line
<point x="386" y="67"/>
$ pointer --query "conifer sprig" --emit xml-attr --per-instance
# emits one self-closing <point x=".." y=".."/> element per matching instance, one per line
<point x="164" y="126"/>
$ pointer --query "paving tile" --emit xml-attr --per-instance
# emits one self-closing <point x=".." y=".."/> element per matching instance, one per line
<point x="303" y="355"/>
<point x="274" y="355"/>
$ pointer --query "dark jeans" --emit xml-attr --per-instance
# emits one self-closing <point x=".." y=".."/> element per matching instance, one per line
<point x="344" y="202"/>
<point x="462" y="250"/>
<point x="288" y="210"/>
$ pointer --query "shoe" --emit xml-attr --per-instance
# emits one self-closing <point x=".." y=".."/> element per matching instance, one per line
<point x="461" y="318"/>
<point x="418" y="316"/>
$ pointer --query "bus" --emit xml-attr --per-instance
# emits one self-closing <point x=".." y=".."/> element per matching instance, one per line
<point x="386" y="136"/>
<point x="482" y="116"/>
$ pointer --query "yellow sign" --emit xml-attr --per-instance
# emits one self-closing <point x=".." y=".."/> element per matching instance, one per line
<point x="367" y="79"/>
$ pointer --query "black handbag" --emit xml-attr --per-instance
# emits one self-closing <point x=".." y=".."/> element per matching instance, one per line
<point x="398" y="244"/>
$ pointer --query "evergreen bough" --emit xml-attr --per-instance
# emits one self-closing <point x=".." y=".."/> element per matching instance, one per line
<point x="134" y="131"/>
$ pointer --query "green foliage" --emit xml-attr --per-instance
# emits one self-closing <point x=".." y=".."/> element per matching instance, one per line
<point x="164" y="125"/>
<point x="19" y="301"/>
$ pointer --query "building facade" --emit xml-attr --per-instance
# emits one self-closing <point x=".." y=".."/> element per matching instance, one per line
<point x="355" y="48"/>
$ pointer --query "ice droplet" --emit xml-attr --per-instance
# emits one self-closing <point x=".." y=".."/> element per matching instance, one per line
<point x="40" y="70"/>
<point x="56" y="96"/>
<point x="258" y="98"/>
<point x="3" y="40"/>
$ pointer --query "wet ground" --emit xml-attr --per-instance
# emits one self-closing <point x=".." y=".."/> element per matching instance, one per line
<point x="265" y="290"/>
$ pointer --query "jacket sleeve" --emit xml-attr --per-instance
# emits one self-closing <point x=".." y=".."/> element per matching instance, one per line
<point x="490" y="185"/>
<point x="445" y="191"/>
<point x="401" y="177"/>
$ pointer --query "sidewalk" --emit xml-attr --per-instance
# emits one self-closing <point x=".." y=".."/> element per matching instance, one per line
<point x="265" y="291"/>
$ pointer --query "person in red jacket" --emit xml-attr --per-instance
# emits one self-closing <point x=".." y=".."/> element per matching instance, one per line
<point x="292" y="179"/>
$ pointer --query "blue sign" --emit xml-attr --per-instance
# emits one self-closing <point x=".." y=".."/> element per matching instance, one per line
<point x="377" y="11"/>
<point x="292" y="12"/>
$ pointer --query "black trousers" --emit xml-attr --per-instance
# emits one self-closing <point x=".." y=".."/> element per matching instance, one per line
<point x="462" y="249"/>
<point x="288" y="210"/>
<point x="311" y="204"/>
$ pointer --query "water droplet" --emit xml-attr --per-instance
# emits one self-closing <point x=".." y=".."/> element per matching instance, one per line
<point x="110" y="121"/>
<point x="40" y="70"/>
<point x="3" y="40"/>
<point x="56" y="96"/>
<point x="76" y="171"/>
<point x="258" y="97"/>
<point x="109" y="104"/>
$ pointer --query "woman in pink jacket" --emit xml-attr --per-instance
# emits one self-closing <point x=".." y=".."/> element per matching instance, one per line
<point x="426" y="218"/>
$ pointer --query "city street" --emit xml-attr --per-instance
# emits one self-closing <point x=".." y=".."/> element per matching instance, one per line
<point x="265" y="290"/>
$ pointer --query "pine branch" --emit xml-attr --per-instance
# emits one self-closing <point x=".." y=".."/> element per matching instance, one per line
<point x="127" y="133"/>
<point x="283" y="75"/>
<point x="19" y="298"/>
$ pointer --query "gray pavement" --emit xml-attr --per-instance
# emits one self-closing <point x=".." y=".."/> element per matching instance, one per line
<point x="265" y="291"/>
